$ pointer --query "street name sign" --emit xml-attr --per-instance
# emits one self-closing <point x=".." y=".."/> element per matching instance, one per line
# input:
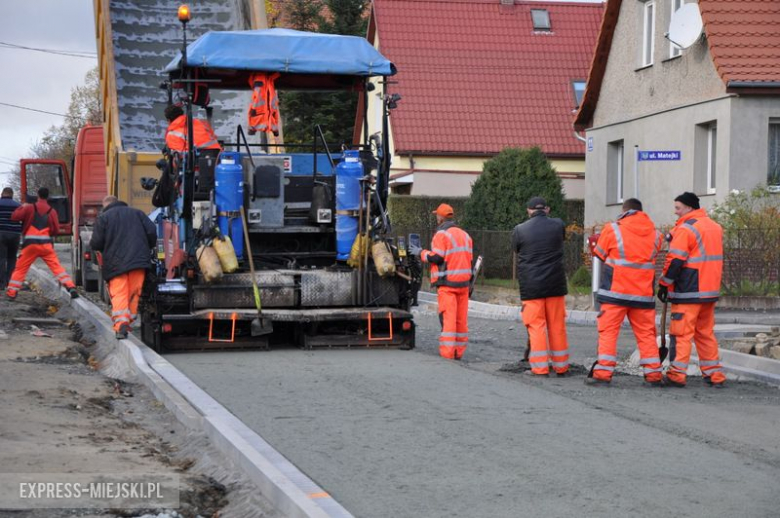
<point x="659" y="155"/>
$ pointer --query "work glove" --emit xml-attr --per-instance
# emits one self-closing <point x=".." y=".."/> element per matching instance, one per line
<point x="415" y="250"/>
<point x="663" y="293"/>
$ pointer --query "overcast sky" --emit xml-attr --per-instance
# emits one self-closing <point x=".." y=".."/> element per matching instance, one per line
<point x="35" y="79"/>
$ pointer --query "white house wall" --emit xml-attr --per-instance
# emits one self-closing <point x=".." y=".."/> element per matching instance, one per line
<point x="629" y="91"/>
<point x="659" y="181"/>
<point x="750" y="117"/>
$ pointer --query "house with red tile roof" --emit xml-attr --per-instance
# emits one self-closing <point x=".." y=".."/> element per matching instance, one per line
<point x="475" y="77"/>
<point x="713" y="107"/>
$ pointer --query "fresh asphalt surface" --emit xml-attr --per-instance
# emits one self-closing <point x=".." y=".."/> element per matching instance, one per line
<point x="408" y="434"/>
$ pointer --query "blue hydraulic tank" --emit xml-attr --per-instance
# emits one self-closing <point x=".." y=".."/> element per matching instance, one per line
<point x="229" y="187"/>
<point x="348" y="175"/>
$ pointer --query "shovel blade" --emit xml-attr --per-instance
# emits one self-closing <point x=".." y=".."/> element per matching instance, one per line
<point x="663" y="352"/>
<point x="261" y="326"/>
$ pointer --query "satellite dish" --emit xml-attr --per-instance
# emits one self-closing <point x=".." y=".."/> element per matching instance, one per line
<point x="686" y="26"/>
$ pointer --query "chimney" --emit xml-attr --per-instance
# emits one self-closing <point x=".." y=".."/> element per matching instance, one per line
<point x="506" y="7"/>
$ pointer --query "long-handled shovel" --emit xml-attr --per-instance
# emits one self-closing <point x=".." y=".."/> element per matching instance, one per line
<point x="663" y="351"/>
<point x="260" y="325"/>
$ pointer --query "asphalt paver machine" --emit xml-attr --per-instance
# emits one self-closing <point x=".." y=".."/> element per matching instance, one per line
<point x="327" y="272"/>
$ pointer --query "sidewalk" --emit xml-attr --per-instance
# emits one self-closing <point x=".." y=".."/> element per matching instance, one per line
<point x="727" y="320"/>
<point x="59" y="415"/>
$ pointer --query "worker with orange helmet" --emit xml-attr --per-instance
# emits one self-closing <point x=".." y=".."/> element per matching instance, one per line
<point x="538" y="243"/>
<point x="691" y="282"/>
<point x="628" y="248"/>
<point x="450" y="258"/>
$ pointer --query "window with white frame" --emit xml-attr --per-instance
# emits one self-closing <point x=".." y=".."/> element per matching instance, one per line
<point x="712" y="151"/>
<point x="615" y="168"/>
<point x="674" y="50"/>
<point x="648" y="32"/>
<point x="773" y="172"/>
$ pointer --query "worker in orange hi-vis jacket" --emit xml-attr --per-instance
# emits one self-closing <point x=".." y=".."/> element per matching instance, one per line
<point x="176" y="134"/>
<point x="450" y="258"/>
<point x="628" y="247"/>
<point x="691" y="282"/>
<point x="40" y="225"/>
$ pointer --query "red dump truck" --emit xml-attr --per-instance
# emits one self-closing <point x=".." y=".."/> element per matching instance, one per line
<point x="89" y="188"/>
<point x="77" y="203"/>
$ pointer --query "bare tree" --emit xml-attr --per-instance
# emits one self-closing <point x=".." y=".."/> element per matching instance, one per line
<point x="58" y="142"/>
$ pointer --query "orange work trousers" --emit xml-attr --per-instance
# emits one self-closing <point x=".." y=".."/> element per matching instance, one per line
<point x="546" y="318"/>
<point x="643" y="324"/>
<point x="454" y="318"/>
<point x="28" y="256"/>
<point x="694" y="322"/>
<point x="125" y="292"/>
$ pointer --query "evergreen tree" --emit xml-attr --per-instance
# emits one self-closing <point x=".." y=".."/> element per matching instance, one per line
<point x="499" y="196"/>
<point x="333" y="111"/>
<point x="303" y="15"/>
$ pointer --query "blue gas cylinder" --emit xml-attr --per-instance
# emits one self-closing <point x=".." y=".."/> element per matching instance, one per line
<point x="229" y="191"/>
<point x="348" y="174"/>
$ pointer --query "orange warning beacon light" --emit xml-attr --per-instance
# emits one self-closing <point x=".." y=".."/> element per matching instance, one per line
<point x="184" y="13"/>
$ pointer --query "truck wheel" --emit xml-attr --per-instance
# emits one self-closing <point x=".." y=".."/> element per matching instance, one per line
<point x="91" y="285"/>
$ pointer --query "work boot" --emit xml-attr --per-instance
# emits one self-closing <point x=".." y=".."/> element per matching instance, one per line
<point x="708" y="381"/>
<point x="564" y="374"/>
<point x="597" y="382"/>
<point x="532" y="374"/>
<point x="672" y="383"/>
<point x="73" y="293"/>
<point x="124" y="329"/>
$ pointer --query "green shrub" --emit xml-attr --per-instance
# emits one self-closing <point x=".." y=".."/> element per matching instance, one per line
<point x="751" y="240"/>
<point x="581" y="278"/>
<point x="414" y="212"/>
<point x="498" y="197"/>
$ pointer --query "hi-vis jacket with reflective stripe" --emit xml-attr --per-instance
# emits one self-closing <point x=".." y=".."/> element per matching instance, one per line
<point x="628" y="248"/>
<point x="176" y="136"/>
<point x="40" y="222"/>
<point x="694" y="264"/>
<point x="450" y="257"/>
<point x="264" y="110"/>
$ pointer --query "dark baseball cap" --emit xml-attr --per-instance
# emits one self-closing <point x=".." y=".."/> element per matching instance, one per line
<point x="537" y="202"/>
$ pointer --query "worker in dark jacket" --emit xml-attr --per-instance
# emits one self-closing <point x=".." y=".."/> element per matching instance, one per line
<point x="10" y="233"/>
<point x="125" y="237"/>
<point x="539" y="246"/>
<point x="40" y="225"/>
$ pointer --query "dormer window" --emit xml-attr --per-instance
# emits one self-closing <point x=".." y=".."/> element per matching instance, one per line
<point x="579" y="91"/>
<point x="541" y="19"/>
